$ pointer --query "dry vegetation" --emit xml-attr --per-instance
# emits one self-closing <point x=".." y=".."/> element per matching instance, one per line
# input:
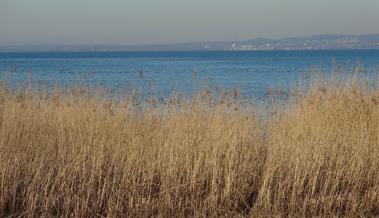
<point x="70" y="154"/>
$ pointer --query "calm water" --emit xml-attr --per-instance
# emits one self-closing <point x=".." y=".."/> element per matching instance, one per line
<point x="252" y="72"/>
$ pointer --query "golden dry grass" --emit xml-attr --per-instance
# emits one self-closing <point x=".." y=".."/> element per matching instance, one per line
<point x="69" y="154"/>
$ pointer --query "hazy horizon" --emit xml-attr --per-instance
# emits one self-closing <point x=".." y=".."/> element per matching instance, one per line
<point x="52" y="43"/>
<point x="168" y="21"/>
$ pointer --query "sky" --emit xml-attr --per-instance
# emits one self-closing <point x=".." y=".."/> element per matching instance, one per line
<point x="173" y="21"/>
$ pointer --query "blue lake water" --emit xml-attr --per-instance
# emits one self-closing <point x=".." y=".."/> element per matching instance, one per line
<point x="252" y="72"/>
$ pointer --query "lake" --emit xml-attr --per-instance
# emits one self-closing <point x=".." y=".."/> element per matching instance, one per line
<point x="159" y="73"/>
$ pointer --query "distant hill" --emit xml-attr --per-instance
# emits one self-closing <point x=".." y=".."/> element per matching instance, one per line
<point x="316" y="42"/>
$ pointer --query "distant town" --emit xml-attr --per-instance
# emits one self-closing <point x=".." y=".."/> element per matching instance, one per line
<point x="311" y="43"/>
<point x="317" y="42"/>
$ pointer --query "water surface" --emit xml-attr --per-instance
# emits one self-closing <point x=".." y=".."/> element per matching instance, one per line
<point x="161" y="72"/>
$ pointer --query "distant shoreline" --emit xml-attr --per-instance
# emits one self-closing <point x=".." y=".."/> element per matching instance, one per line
<point x="185" y="51"/>
<point x="316" y="42"/>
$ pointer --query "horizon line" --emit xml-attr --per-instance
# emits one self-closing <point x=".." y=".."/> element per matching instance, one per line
<point x="2" y="43"/>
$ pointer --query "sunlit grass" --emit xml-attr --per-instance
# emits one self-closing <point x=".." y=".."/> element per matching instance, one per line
<point x="73" y="154"/>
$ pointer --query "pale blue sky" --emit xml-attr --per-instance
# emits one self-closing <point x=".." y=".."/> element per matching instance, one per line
<point x="167" y="21"/>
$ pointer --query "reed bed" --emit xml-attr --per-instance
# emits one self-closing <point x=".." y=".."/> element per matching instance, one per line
<point x="74" y="154"/>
